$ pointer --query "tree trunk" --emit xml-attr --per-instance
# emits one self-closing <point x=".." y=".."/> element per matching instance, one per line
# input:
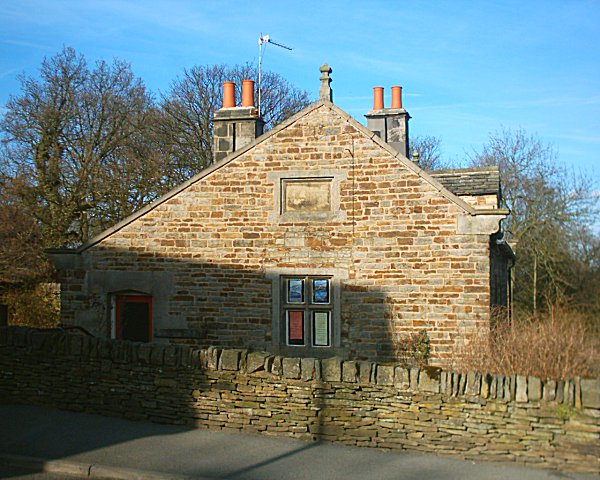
<point x="535" y="283"/>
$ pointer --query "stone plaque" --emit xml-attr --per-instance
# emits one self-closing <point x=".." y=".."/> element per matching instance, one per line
<point x="306" y="195"/>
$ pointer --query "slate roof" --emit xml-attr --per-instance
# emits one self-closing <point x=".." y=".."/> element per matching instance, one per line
<point x="469" y="181"/>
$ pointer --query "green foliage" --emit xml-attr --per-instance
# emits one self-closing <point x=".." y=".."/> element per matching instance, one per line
<point x="564" y="412"/>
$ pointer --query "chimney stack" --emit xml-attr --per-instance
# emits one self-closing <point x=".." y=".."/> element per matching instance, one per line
<point x="235" y="127"/>
<point x="390" y="124"/>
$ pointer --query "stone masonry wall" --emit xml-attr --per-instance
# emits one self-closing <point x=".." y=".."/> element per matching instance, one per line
<point x="392" y="243"/>
<point x="547" y="423"/>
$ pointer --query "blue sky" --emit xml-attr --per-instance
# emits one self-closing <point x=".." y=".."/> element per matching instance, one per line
<point x="467" y="68"/>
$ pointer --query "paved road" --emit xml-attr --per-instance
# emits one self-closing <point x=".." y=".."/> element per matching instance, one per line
<point x="126" y="449"/>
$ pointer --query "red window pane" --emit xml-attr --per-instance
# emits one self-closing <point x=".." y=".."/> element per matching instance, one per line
<point x="295" y="327"/>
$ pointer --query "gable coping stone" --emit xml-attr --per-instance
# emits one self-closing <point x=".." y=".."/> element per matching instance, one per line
<point x="218" y="165"/>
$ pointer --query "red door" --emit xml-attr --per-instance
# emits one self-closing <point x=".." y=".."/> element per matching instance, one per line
<point x="134" y="318"/>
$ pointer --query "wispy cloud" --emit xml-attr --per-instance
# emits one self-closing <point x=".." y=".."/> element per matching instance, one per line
<point x="349" y="98"/>
<point x="21" y="43"/>
<point x="386" y="67"/>
<point x="580" y="138"/>
<point x="562" y="101"/>
<point x="9" y="72"/>
<point x="169" y="15"/>
<point x="519" y="104"/>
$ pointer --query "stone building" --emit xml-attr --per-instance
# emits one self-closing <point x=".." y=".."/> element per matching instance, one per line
<point x="317" y="238"/>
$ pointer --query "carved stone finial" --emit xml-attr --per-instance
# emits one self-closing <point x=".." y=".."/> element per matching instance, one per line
<point x="416" y="156"/>
<point x="325" y="92"/>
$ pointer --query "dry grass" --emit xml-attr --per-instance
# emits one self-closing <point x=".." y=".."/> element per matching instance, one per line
<point x="561" y="344"/>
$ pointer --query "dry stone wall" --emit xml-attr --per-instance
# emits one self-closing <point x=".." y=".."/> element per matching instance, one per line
<point x="548" y="423"/>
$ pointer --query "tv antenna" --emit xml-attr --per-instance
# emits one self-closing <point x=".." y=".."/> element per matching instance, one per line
<point x="262" y="40"/>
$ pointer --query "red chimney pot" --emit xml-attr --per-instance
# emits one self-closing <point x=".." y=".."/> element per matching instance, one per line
<point x="396" y="97"/>
<point x="228" y="94"/>
<point x="247" y="93"/>
<point x="377" y="98"/>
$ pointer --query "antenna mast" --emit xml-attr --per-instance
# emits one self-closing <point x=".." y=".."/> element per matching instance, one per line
<point x="262" y="40"/>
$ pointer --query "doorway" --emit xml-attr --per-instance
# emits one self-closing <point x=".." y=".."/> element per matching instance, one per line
<point x="134" y="318"/>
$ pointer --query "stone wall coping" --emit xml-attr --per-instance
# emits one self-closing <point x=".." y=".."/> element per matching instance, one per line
<point x="580" y="393"/>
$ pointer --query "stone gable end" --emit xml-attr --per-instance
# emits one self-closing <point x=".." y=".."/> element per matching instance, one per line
<point x="210" y="255"/>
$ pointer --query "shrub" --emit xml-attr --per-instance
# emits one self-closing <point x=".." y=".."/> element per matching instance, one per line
<point x="559" y="344"/>
<point x="413" y="350"/>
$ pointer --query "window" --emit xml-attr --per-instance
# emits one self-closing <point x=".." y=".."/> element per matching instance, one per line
<point x="134" y="318"/>
<point x="307" y="311"/>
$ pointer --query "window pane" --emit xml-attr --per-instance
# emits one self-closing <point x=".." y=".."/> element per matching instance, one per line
<point x="295" y="321"/>
<point x="295" y="290"/>
<point x="321" y="329"/>
<point x="320" y="290"/>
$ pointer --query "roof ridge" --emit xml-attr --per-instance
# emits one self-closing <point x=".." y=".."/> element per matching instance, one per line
<point x="467" y="170"/>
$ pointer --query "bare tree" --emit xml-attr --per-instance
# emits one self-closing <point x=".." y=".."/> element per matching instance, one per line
<point x="584" y="270"/>
<point x="80" y="138"/>
<point x="549" y="203"/>
<point x="90" y="145"/>
<point x="189" y="106"/>
<point x="429" y="152"/>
